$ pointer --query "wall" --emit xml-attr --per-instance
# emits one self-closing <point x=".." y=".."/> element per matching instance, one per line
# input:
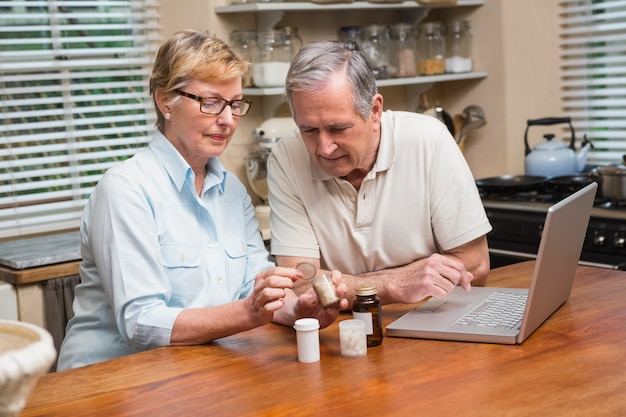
<point x="516" y="42"/>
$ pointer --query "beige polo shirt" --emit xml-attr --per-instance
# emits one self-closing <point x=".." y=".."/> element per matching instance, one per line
<point x="419" y="197"/>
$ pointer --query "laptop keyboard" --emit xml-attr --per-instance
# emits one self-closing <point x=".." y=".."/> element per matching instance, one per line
<point x="501" y="310"/>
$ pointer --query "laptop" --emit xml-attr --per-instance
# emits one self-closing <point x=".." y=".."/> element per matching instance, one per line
<point x="457" y="317"/>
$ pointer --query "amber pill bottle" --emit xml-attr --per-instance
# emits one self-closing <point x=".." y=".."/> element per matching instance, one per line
<point x="366" y="307"/>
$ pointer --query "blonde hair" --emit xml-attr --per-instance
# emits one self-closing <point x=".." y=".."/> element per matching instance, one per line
<point x="194" y="54"/>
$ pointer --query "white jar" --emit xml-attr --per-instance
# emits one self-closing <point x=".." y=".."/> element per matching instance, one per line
<point x="272" y="59"/>
<point x="458" y="47"/>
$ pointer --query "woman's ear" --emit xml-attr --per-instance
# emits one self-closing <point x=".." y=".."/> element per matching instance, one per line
<point x="161" y="103"/>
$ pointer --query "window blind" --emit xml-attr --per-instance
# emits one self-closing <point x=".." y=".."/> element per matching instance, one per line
<point x="74" y="101"/>
<point x="593" y="45"/>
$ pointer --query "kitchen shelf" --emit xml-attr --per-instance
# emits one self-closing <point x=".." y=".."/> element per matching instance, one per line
<point x="270" y="13"/>
<point x="272" y="96"/>
<point x="391" y="82"/>
<point x="288" y="6"/>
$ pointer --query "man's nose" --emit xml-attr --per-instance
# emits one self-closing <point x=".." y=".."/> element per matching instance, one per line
<point x="326" y="145"/>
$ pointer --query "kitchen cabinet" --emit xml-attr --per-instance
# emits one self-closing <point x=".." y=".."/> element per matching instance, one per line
<point x="268" y="14"/>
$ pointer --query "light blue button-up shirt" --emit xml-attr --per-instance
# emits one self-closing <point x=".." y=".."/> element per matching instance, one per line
<point x="151" y="247"/>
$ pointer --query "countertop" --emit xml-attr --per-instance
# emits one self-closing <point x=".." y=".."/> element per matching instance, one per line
<point x="41" y="250"/>
<point x="572" y="365"/>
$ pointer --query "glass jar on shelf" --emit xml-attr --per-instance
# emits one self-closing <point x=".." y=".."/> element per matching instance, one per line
<point x="272" y="59"/>
<point x="375" y="46"/>
<point x="294" y="40"/>
<point x="244" y="41"/>
<point x="402" y="50"/>
<point x="430" y="49"/>
<point x="458" y="47"/>
<point x="349" y="33"/>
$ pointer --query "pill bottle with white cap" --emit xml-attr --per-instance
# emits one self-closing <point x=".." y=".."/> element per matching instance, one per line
<point x="308" y="339"/>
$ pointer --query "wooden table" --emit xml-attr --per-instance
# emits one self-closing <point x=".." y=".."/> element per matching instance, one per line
<point x="575" y="364"/>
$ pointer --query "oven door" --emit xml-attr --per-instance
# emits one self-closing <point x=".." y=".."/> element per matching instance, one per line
<point x="516" y="236"/>
<point x="500" y="257"/>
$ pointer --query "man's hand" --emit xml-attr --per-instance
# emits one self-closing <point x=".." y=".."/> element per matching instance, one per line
<point x="434" y="276"/>
<point x="308" y="305"/>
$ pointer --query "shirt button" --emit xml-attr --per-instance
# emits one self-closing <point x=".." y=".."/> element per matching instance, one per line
<point x="220" y="280"/>
<point x="353" y="200"/>
<point x="182" y="258"/>
<point x="210" y="246"/>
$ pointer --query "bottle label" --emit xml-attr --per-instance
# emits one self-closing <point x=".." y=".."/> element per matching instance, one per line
<point x="367" y="318"/>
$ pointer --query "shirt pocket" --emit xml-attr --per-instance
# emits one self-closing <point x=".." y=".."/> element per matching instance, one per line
<point x="236" y="258"/>
<point x="182" y="266"/>
<point x="177" y="256"/>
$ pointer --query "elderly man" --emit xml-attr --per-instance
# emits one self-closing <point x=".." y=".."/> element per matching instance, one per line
<point x="385" y="197"/>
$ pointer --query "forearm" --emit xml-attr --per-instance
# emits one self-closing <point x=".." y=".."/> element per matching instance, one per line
<point x="195" y="326"/>
<point x="390" y="283"/>
<point x="475" y="257"/>
<point x="431" y="276"/>
<point x="417" y="280"/>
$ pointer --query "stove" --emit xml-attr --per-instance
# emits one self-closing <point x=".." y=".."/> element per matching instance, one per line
<point x="518" y="217"/>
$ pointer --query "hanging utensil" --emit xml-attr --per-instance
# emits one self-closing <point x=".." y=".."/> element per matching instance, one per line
<point x="436" y="111"/>
<point x="458" y="120"/>
<point x="474" y="119"/>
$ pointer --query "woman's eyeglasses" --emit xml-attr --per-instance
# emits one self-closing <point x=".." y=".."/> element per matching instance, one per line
<point x="216" y="105"/>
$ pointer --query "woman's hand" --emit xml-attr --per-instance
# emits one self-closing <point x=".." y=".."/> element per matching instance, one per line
<point x="270" y="291"/>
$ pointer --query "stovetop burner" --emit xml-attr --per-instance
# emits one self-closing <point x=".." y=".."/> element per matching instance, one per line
<point x="612" y="205"/>
<point x="520" y="196"/>
<point x="543" y="196"/>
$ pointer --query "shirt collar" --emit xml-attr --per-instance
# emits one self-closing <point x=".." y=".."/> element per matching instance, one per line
<point x="178" y="169"/>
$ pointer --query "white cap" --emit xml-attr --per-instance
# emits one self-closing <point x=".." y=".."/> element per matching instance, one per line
<point x="306" y="324"/>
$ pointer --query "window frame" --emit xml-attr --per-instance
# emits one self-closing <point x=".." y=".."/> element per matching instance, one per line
<point x="74" y="101"/>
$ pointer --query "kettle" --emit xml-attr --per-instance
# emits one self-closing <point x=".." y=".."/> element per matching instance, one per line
<point x="553" y="158"/>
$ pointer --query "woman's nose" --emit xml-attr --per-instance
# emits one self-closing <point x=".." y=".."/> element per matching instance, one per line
<point x="226" y="116"/>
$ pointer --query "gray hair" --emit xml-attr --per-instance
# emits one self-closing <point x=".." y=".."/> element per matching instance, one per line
<point x="314" y="63"/>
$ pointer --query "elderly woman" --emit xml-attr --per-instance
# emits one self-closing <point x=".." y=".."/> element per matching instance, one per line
<point x="171" y="250"/>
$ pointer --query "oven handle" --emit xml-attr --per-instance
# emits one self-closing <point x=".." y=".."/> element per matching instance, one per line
<point x="618" y="267"/>
<point x="521" y="255"/>
<point x="530" y="256"/>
